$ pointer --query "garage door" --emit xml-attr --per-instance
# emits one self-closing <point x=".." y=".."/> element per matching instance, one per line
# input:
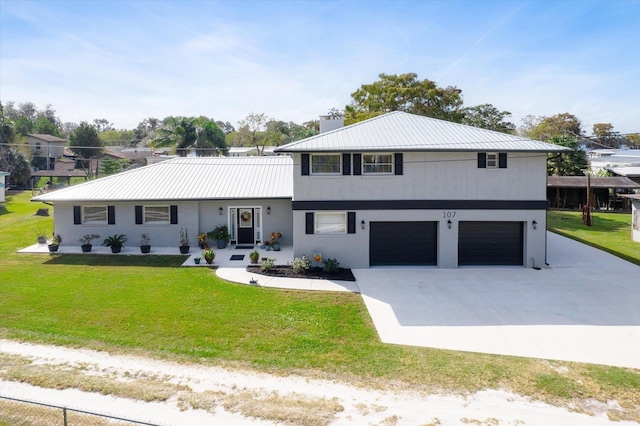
<point x="403" y="243"/>
<point x="490" y="243"/>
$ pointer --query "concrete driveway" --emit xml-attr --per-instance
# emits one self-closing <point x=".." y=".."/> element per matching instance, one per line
<point x="584" y="307"/>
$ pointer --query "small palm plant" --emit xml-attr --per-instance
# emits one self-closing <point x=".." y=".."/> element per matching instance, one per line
<point x="116" y="242"/>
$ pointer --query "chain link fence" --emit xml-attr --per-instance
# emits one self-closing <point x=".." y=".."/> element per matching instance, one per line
<point x="18" y="412"/>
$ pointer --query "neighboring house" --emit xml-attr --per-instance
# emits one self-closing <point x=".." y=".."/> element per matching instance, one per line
<point x="63" y="169"/>
<point x="3" y="175"/>
<point x="398" y="189"/>
<point x="45" y="148"/>
<point x="620" y="162"/>
<point x="402" y="189"/>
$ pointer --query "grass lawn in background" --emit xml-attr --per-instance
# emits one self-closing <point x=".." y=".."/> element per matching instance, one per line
<point x="148" y="305"/>
<point x="610" y="231"/>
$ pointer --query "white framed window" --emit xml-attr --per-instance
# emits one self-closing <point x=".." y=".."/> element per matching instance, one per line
<point x="377" y="164"/>
<point x="492" y="160"/>
<point x="326" y="164"/>
<point x="331" y="223"/>
<point x="156" y="214"/>
<point x="96" y="215"/>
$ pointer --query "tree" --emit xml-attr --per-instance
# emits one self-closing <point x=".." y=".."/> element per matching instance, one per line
<point x="487" y="116"/>
<point x="569" y="163"/>
<point x="102" y="125"/>
<point x="404" y="92"/>
<point x="210" y="140"/>
<point x="605" y="136"/>
<point x="251" y="131"/>
<point x="557" y="125"/>
<point x="110" y="167"/>
<point x="185" y="133"/>
<point x="85" y="142"/>
<point x="43" y="126"/>
<point x="633" y="140"/>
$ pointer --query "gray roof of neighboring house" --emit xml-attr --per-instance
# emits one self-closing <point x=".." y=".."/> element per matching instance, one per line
<point x="189" y="179"/>
<point x="48" y="138"/>
<point x="401" y="131"/>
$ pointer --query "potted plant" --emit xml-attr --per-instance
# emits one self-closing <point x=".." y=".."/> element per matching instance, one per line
<point x="202" y="240"/>
<point x="54" y="242"/>
<point x="41" y="235"/>
<point x="221" y="235"/>
<point x="254" y="255"/>
<point x="145" y="247"/>
<point x="196" y="260"/>
<point x="273" y="241"/>
<point x="116" y="242"/>
<point x="184" y="241"/>
<point x="86" y="242"/>
<point x="208" y="255"/>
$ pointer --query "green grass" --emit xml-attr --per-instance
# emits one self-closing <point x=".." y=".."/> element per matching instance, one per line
<point x="149" y="305"/>
<point x="610" y="232"/>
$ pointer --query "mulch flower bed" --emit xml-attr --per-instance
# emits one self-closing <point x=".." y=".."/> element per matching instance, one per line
<point x="313" y="273"/>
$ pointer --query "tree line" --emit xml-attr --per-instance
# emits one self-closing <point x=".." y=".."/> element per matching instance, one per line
<point x="208" y="137"/>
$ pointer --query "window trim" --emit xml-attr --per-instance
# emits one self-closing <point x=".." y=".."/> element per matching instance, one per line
<point x="95" y="222"/>
<point x="145" y="221"/>
<point x="318" y="215"/>
<point x="390" y="163"/>
<point x="339" y="161"/>
<point x="495" y="160"/>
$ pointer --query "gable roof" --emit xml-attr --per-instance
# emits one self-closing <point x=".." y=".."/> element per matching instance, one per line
<point x="401" y="131"/>
<point x="46" y="138"/>
<point x="198" y="178"/>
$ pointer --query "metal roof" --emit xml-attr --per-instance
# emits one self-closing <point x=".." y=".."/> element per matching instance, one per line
<point x="595" y="182"/>
<point x="401" y="131"/>
<point x="195" y="178"/>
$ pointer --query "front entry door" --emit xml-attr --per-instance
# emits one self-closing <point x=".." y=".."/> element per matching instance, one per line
<point x="246" y="225"/>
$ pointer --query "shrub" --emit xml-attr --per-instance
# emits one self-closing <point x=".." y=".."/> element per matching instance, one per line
<point x="331" y="265"/>
<point x="301" y="265"/>
<point x="267" y="264"/>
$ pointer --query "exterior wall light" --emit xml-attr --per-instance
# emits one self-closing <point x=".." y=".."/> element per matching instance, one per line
<point x="534" y="224"/>
<point x="449" y="223"/>
<point x="268" y="209"/>
<point x="221" y="210"/>
<point x="362" y="224"/>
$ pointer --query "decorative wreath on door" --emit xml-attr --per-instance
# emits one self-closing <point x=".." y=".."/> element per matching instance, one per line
<point x="245" y="216"/>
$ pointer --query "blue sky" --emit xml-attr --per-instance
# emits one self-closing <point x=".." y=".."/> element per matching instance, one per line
<point x="293" y="60"/>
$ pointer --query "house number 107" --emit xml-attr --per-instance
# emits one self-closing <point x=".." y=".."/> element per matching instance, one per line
<point x="448" y="215"/>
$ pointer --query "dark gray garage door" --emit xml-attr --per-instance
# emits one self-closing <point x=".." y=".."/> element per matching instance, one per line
<point x="403" y="243"/>
<point x="490" y="243"/>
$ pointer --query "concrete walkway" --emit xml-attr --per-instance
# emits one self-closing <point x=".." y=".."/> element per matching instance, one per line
<point x="585" y="307"/>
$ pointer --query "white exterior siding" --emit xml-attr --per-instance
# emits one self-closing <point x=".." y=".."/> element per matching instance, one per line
<point x="433" y="176"/>
<point x="196" y="217"/>
<point x="352" y="250"/>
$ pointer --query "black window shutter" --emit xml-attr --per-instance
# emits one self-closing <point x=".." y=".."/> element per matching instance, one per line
<point x="398" y="163"/>
<point x="357" y="164"/>
<point x="138" y="215"/>
<point x="173" y="211"/>
<point x="351" y="222"/>
<point x="304" y="158"/>
<point x="502" y="160"/>
<point x="346" y="164"/>
<point x="77" y="215"/>
<point x="111" y="215"/>
<point x="482" y="160"/>
<point x="308" y="223"/>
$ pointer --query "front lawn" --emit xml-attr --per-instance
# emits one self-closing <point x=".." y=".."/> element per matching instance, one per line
<point x="150" y="306"/>
<point x="609" y="231"/>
